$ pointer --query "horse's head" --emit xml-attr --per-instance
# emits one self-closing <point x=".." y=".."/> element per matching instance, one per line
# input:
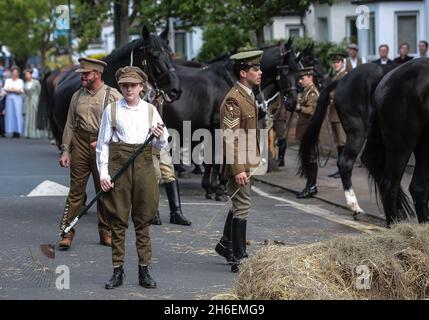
<point x="309" y="59"/>
<point x="156" y="60"/>
<point x="279" y="66"/>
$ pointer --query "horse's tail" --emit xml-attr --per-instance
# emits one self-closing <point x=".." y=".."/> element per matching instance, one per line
<point x="308" y="146"/>
<point x="374" y="159"/>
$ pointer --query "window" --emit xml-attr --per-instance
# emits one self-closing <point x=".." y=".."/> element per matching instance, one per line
<point x="351" y="30"/>
<point x="295" y="31"/>
<point x="406" y="24"/>
<point x="268" y="33"/>
<point x="322" y="27"/>
<point x="180" y="44"/>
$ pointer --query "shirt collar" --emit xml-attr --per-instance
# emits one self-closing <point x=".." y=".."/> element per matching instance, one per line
<point x="248" y="90"/>
<point x="139" y="106"/>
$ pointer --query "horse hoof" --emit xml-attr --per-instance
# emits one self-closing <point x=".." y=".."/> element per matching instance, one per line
<point x="222" y="198"/>
<point x="209" y="196"/>
<point x="357" y="215"/>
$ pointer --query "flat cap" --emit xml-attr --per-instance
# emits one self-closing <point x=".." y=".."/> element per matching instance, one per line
<point x="353" y="46"/>
<point x="130" y="75"/>
<point x="307" y="71"/>
<point x="250" y="58"/>
<point x="89" y="64"/>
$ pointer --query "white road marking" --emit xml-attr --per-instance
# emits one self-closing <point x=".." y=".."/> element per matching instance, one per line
<point x="49" y="188"/>
<point x="320" y="212"/>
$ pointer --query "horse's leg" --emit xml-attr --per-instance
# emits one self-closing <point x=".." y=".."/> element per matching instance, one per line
<point x="397" y="156"/>
<point x="419" y="187"/>
<point x="346" y="161"/>
<point x="205" y="183"/>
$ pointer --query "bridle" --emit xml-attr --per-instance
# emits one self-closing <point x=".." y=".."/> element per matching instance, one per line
<point x="281" y="70"/>
<point x="154" y="80"/>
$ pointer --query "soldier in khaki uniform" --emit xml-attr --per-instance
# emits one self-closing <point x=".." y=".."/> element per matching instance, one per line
<point x="338" y="133"/>
<point x="239" y="116"/>
<point x="79" y="141"/>
<point x="306" y="106"/>
<point x="124" y="127"/>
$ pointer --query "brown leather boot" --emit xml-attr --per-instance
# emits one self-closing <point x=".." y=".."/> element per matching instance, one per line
<point x="106" y="240"/>
<point x="65" y="242"/>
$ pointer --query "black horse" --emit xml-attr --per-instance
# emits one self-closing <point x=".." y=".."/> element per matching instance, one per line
<point x="401" y="128"/>
<point x="149" y="53"/>
<point x="353" y="101"/>
<point x="205" y="88"/>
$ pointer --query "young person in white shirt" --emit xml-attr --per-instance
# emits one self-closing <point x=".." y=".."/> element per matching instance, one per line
<point x="125" y="125"/>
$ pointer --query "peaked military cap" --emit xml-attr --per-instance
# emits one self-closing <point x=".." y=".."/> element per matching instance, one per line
<point x="335" y="56"/>
<point x="130" y="75"/>
<point x="88" y="64"/>
<point x="249" y="58"/>
<point x="307" y="71"/>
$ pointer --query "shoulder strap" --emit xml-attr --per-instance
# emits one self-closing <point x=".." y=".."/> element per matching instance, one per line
<point x="106" y="97"/>
<point x="150" y="115"/>
<point x="113" y="115"/>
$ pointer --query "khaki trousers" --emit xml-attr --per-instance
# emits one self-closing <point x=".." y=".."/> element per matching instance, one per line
<point x="164" y="168"/>
<point x="241" y="202"/>
<point x="83" y="163"/>
<point x="137" y="191"/>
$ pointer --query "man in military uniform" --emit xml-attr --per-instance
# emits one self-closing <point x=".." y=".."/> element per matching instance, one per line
<point x="337" y="59"/>
<point x="79" y="142"/>
<point x="239" y="116"/>
<point x="306" y="106"/>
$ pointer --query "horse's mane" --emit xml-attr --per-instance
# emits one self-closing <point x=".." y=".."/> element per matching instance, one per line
<point x="120" y="52"/>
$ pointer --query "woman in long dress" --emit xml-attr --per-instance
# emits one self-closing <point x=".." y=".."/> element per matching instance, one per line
<point x="14" y="121"/>
<point x="32" y="89"/>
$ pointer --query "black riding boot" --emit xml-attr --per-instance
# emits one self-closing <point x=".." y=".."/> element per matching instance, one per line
<point x="310" y="187"/>
<point x="336" y="175"/>
<point x="116" y="279"/>
<point x="156" y="219"/>
<point x="176" y="215"/>
<point x="224" y="246"/>
<point x="238" y="242"/>
<point x="145" y="280"/>
<point x="281" y="143"/>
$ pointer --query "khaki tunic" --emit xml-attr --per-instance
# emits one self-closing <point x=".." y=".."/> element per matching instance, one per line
<point x="280" y="116"/>
<point x="85" y="112"/>
<point x="337" y="129"/>
<point x="333" y="115"/>
<point x="239" y="114"/>
<point x="307" y="102"/>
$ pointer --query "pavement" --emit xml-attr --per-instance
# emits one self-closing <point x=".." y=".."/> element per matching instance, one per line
<point x="330" y="190"/>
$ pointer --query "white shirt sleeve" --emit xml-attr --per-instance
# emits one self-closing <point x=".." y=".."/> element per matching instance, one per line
<point x="163" y="140"/>
<point x="102" y="150"/>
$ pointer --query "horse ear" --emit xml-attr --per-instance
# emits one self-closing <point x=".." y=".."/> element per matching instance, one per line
<point x="288" y="45"/>
<point x="145" y="33"/>
<point x="164" y="35"/>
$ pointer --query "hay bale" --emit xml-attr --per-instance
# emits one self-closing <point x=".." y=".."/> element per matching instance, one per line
<point x="397" y="261"/>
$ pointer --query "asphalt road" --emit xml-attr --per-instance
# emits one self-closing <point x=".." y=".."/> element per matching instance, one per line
<point x="185" y="265"/>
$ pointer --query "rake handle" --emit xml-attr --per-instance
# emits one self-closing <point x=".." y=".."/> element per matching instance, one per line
<point x="113" y="179"/>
